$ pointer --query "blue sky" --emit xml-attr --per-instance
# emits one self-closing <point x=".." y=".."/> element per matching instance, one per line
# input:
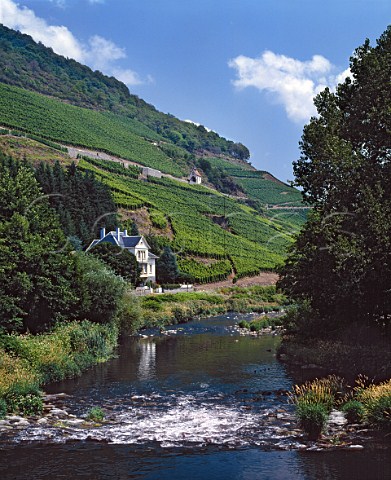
<point x="247" y="69"/>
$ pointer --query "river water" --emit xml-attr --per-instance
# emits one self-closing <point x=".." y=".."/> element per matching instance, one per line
<point x="202" y="402"/>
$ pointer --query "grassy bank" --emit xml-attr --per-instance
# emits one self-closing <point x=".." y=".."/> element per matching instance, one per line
<point x="167" y="309"/>
<point x="27" y="361"/>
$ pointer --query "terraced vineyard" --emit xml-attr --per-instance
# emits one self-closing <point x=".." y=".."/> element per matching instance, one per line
<point x="105" y="131"/>
<point x="213" y="272"/>
<point x="244" y="241"/>
<point x="260" y="185"/>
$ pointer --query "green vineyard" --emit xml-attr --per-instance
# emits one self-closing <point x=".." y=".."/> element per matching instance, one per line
<point x="248" y="242"/>
<point x="105" y="131"/>
<point x="205" y="273"/>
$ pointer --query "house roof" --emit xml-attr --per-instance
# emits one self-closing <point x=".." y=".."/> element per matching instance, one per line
<point x="195" y="172"/>
<point x="130" y="241"/>
<point x="124" y="241"/>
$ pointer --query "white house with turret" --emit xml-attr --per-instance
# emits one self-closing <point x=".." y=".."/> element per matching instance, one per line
<point x="135" y="244"/>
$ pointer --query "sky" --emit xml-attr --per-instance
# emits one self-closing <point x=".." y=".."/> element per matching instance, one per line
<point x="247" y="69"/>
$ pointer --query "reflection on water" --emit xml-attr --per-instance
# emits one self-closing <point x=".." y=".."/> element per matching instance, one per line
<point x="202" y="402"/>
<point x="147" y="363"/>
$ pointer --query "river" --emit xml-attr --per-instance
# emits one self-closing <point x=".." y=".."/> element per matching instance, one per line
<point x="201" y="402"/>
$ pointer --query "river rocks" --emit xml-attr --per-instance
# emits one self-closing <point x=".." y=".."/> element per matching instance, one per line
<point x="42" y="421"/>
<point x="58" y="412"/>
<point x="75" y="421"/>
<point x="336" y="419"/>
<point x="5" y="425"/>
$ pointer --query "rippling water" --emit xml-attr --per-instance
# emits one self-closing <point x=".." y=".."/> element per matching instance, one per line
<point x="200" y="402"/>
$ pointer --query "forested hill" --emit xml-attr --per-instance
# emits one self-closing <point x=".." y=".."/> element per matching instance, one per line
<point x="99" y="112"/>
<point x="33" y="66"/>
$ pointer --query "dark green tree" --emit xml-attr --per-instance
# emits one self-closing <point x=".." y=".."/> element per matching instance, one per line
<point x="120" y="260"/>
<point x="341" y="262"/>
<point x="82" y="202"/>
<point x="167" y="267"/>
<point x="134" y="229"/>
<point x="35" y="265"/>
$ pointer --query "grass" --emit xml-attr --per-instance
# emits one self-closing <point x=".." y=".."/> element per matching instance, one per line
<point x="376" y="404"/>
<point x="324" y="391"/>
<point x="366" y="403"/>
<point x="171" y="308"/>
<point x="27" y="362"/>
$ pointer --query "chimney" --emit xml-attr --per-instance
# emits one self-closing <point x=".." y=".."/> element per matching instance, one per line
<point x="125" y="233"/>
<point x="102" y="233"/>
<point x="118" y="231"/>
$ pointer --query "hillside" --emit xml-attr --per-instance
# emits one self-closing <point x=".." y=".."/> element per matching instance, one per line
<point x="213" y="234"/>
<point x="140" y="130"/>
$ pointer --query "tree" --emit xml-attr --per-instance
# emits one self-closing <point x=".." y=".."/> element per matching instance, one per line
<point x="100" y="291"/>
<point x="134" y="229"/>
<point x="120" y="260"/>
<point x="35" y="266"/>
<point x="341" y="262"/>
<point x="82" y="202"/>
<point x="167" y="267"/>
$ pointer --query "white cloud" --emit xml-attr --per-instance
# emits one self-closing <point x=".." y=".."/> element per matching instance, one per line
<point x="292" y="83"/>
<point x="99" y="53"/>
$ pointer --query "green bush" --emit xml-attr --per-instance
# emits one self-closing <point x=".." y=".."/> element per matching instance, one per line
<point x="96" y="414"/>
<point x="354" y="411"/>
<point x="24" y="400"/>
<point x="312" y="418"/>
<point x="130" y="315"/>
<point x="100" y="290"/>
<point x="243" y="324"/>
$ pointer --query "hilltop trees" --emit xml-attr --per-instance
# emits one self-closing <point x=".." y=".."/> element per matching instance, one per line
<point x="341" y="262"/>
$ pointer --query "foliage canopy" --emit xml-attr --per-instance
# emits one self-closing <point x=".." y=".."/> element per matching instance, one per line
<point x="341" y="262"/>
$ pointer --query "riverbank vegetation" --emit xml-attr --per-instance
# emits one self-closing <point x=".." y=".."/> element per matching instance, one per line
<point x="364" y="403"/>
<point x="29" y="361"/>
<point x="339" y="269"/>
<point x="166" y="309"/>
